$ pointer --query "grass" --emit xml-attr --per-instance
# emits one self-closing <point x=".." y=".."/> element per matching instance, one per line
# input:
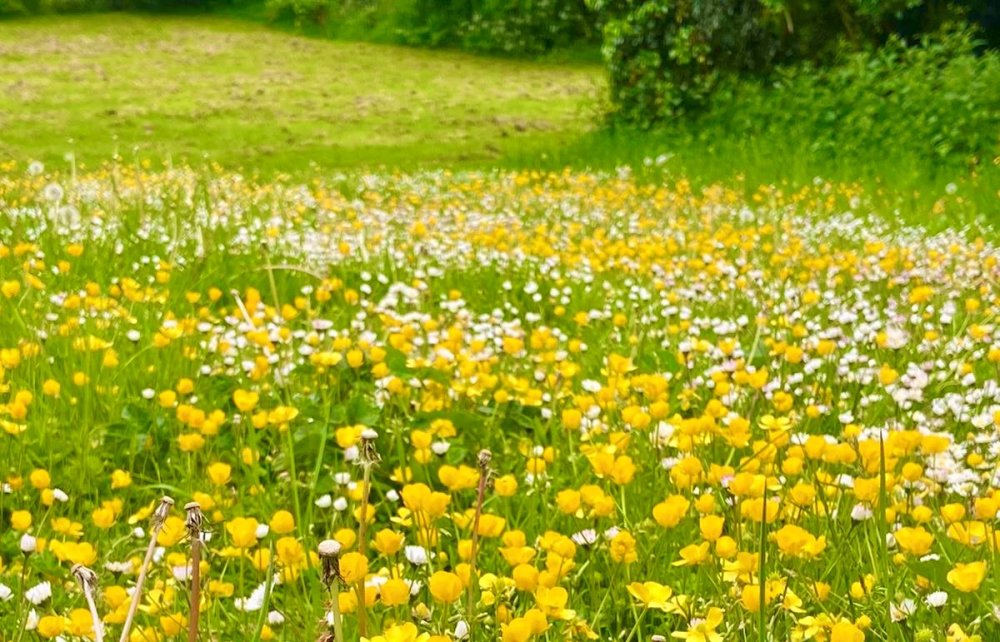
<point x="911" y="190"/>
<point x="242" y="95"/>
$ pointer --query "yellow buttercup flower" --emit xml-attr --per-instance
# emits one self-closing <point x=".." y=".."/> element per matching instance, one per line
<point x="219" y="473"/>
<point x="394" y="591"/>
<point x="245" y="400"/>
<point x="242" y="532"/>
<point x="353" y="567"/>
<point x="844" y="631"/>
<point x="120" y="479"/>
<point x="51" y="626"/>
<point x="967" y="577"/>
<point x="282" y="522"/>
<point x="651" y="594"/>
<point x="445" y="587"/>
<point x="20" y="520"/>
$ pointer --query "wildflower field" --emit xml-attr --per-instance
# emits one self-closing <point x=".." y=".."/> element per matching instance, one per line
<point x="489" y="406"/>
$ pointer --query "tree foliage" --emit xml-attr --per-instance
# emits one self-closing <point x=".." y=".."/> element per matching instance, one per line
<point x="667" y="57"/>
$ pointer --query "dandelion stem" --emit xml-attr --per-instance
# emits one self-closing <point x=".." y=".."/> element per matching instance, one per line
<point x="484" y="473"/>
<point x="362" y="547"/>
<point x="194" y="610"/>
<point x="156" y="524"/>
<point x="338" y="624"/>
<point x="193" y="522"/>
<point x="88" y="580"/>
<point x="363" y="518"/>
<point x="329" y="551"/>
<point x="762" y="571"/>
<point x="368" y="458"/>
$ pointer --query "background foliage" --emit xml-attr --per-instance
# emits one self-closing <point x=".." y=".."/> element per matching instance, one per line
<point x="935" y="101"/>
<point x="666" y="57"/>
<point x="919" y="76"/>
<point x="522" y="27"/>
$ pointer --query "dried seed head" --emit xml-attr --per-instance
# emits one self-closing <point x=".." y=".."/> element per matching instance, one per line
<point x="369" y="454"/>
<point x="162" y="511"/>
<point x="485" y="456"/>
<point x="329" y="548"/>
<point x="86" y="577"/>
<point x="329" y="553"/>
<point x="194" y="520"/>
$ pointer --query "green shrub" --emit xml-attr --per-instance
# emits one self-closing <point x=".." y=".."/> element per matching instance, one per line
<point x="936" y="100"/>
<point x="666" y="57"/>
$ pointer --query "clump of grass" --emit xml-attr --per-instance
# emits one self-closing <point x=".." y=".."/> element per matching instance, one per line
<point x="367" y="459"/>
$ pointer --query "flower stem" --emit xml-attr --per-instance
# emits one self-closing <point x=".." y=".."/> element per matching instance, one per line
<point x="363" y="547"/>
<point x="194" y="610"/>
<point x="338" y="624"/>
<point x="480" y="494"/>
<point x="88" y="580"/>
<point x="156" y="524"/>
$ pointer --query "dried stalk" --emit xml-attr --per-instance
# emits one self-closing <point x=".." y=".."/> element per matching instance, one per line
<point x="329" y="554"/>
<point x="194" y="521"/>
<point x="484" y="477"/>
<point x="88" y="582"/>
<point x="155" y="526"/>
<point x="368" y="458"/>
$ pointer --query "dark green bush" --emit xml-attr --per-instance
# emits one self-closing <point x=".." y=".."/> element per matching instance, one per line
<point x="667" y="57"/>
<point x="937" y="100"/>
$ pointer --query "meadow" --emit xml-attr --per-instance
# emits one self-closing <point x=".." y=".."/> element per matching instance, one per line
<point x="204" y="89"/>
<point x="346" y="383"/>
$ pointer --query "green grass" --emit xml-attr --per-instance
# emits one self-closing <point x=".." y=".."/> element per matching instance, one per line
<point x="912" y="190"/>
<point x="247" y="96"/>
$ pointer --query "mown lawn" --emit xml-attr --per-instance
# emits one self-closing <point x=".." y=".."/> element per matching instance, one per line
<point x="246" y="96"/>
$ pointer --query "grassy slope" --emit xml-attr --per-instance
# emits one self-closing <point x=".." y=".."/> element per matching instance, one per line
<point x="248" y="96"/>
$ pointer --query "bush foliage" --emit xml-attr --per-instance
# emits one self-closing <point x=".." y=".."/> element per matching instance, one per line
<point x="935" y="100"/>
<point x="668" y="57"/>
